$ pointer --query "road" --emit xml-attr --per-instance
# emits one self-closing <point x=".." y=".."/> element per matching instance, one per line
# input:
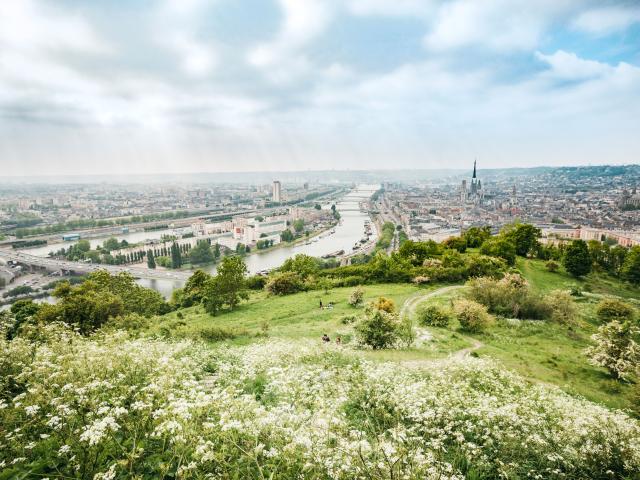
<point x="83" y="268"/>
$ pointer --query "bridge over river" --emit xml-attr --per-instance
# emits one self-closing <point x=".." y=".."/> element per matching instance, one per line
<point x="80" y="268"/>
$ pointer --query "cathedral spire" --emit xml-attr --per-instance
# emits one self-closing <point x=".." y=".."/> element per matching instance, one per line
<point x="474" y="169"/>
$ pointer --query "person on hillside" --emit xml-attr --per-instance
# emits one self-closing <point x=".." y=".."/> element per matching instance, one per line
<point x="325" y="338"/>
<point x="320" y="304"/>
<point x="338" y="340"/>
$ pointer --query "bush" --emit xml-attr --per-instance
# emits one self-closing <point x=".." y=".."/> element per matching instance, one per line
<point x="348" y="319"/>
<point x="433" y="316"/>
<point x="133" y="322"/>
<point x="615" y="349"/>
<point x="256" y="282"/>
<point x="473" y="317"/>
<point x="563" y="308"/>
<point x="552" y="266"/>
<point x="285" y="283"/>
<point x="357" y="296"/>
<point x="384" y="304"/>
<point x="378" y="329"/>
<point x="509" y="296"/>
<point x="217" y="334"/>
<point x="613" y="309"/>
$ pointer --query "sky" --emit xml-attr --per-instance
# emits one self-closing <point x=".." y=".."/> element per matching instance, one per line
<point x="161" y="86"/>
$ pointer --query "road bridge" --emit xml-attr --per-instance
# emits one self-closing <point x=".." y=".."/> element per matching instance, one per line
<point x="53" y="265"/>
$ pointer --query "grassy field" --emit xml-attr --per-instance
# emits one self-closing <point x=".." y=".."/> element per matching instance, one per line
<point x="540" y="351"/>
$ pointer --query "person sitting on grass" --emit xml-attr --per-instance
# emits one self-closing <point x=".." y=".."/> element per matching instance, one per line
<point x="320" y="304"/>
<point x="325" y="338"/>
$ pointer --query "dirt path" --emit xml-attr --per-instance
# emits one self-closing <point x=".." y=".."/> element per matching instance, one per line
<point x="409" y="308"/>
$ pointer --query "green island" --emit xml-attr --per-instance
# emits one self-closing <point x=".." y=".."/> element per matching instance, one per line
<point x="480" y="357"/>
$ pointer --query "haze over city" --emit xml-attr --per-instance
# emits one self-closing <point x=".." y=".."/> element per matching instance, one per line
<point x="219" y="86"/>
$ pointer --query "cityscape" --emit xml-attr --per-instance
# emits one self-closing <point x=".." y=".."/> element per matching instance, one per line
<point x="311" y="239"/>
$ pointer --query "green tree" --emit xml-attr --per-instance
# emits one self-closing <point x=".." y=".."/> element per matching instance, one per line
<point x="577" y="260"/>
<point x="298" y="225"/>
<point x="111" y="244"/>
<point x="500" y="247"/>
<point x="475" y="236"/>
<point x="378" y="329"/>
<point x="176" y="256"/>
<point x="195" y="288"/>
<point x="83" y="245"/>
<point x="151" y="259"/>
<point x="286" y="236"/>
<point x="524" y="237"/>
<point x="303" y="265"/>
<point x="231" y="282"/>
<point x="631" y="267"/>
<point x="201" y="253"/>
<point x="216" y="251"/>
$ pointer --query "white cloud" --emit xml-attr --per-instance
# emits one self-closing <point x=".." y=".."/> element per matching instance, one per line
<point x="568" y="66"/>
<point x="605" y="20"/>
<point x="282" y="58"/>
<point x="496" y="24"/>
<point x="391" y="7"/>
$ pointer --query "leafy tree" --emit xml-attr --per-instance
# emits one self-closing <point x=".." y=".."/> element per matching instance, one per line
<point x="500" y="247"/>
<point x="216" y="251"/>
<point x="631" y="267"/>
<point x="201" y="253"/>
<point x="213" y="299"/>
<point x="378" y="329"/>
<point x="418" y="252"/>
<point x="22" y="311"/>
<point x="615" y="349"/>
<point x="151" y="259"/>
<point x="284" y="283"/>
<point x="303" y="265"/>
<point x="111" y="244"/>
<point x="195" y="288"/>
<point x="476" y="236"/>
<point x="456" y="243"/>
<point x="231" y="282"/>
<point x="86" y="306"/>
<point x="577" y="260"/>
<point x="524" y="237"/>
<point x="176" y="256"/>
<point x="83" y="245"/>
<point x="298" y="225"/>
<point x="317" y="206"/>
<point x="286" y="236"/>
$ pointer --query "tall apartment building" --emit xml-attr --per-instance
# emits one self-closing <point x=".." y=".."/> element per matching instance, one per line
<point x="277" y="191"/>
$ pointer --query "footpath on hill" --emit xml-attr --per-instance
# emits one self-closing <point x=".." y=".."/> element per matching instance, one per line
<point x="409" y="309"/>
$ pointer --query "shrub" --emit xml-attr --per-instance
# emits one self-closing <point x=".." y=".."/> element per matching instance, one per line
<point x="433" y="316"/>
<point x="385" y="304"/>
<point x="563" y="308"/>
<point x="509" y="296"/>
<point x="378" y="329"/>
<point x="615" y="349"/>
<point x="473" y="317"/>
<point x="131" y="322"/>
<point x="256" y="282"/>
<point x="285" y="283"/>
<point x="406" y="332"/>
<point x="421" y="280"/>
<point x="614" y="309"/>
<point x="357" y="297"/>
<point x="217" y="334"/>
<point x="552" y="266"/>
<point x="348" y="319"/>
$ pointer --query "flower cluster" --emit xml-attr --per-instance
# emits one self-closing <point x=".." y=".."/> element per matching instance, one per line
<point x="110" y="407"/>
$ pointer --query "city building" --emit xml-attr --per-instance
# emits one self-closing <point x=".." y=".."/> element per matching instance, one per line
<point x="277" y="191"/>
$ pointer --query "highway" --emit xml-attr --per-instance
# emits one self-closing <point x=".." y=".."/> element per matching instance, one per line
<point x="52" y="264"/>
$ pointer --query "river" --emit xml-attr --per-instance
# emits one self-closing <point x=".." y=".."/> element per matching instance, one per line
<point x="344" y="236"/>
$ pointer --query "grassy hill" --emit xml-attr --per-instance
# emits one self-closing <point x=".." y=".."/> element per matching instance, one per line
<point x="541" y="351"/>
